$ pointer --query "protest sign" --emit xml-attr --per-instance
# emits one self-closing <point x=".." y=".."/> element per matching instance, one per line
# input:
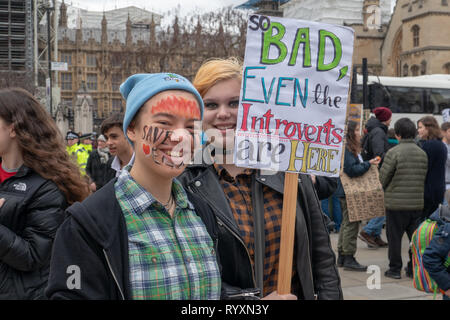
<point x="355" y="113"/>
<point x="364" y="195"/>
<point x="292" y="108"/>
<point x="294" y="96"/>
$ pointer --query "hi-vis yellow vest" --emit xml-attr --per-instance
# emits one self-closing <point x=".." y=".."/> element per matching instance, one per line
<point x="80" y="155"/>
<point x="87" y="147"/>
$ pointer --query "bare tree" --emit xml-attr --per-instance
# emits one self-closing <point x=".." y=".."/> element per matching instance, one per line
<point x="182" y="46"/>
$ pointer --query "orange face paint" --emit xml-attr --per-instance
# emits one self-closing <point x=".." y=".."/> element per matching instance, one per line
<point x="178" y="106"/>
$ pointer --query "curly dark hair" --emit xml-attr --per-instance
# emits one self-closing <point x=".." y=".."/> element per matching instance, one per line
<point x="41" y="143"/>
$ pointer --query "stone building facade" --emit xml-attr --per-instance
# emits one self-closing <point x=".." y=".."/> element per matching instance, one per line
<point x="417" y="41"/>
<point x="100" y="58"/>
<point x="103" y="49"/>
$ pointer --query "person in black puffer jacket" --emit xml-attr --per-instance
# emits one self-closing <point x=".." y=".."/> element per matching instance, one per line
<point x="430" y="137"/>
<point x="376" y="131"/>
<point x="37" y="182"/>
<point x="377" y="146"/>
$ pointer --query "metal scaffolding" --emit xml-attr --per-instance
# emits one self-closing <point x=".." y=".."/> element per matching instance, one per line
<point x="16" y="36"/>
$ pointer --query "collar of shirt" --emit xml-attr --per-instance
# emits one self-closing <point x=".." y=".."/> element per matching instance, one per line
<point x="116" y="164"/>
<point x="139" y="199"/>
<point x="223" y="173"/>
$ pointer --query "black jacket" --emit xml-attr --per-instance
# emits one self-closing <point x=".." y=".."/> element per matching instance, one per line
<point x="325" y="186"/>
<point x="29" y="218"/>
<point x="315" y="260"/>
<point x="94" y="238"/>
<point x="99" y="172"/>
<point x="435" y="180"/>
<point x="378" y="139"/>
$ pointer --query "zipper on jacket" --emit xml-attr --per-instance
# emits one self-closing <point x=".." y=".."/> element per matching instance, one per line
<point x="220" y="223"/>
<point x="245" y="294"/>
<point x="315" y="295"/>
<point x="114" y="276"/>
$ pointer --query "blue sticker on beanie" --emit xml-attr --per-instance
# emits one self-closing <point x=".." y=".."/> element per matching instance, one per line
<point x="139" y="88"/>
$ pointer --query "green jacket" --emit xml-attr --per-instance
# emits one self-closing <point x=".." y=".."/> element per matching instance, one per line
<point x="403" y="176"/>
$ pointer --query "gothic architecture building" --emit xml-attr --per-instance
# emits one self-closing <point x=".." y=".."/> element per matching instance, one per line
<point x="417" y="39"/>
<point x="99" y="57"/>
<point x="103" y="48"/>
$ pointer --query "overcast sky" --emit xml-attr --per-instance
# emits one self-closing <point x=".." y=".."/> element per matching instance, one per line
<point x="160" y="6"/>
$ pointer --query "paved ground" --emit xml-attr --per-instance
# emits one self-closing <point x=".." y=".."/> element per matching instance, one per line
<point x="354" y="284"/>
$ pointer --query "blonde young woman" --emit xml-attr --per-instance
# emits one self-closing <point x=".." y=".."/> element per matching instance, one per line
<point x="238" y="195"/>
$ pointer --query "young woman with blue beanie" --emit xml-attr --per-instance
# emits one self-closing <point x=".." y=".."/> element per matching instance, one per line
<point x="139" y="237"/>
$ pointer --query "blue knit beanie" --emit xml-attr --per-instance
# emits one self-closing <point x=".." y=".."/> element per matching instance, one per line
<point x="139" y="88"/>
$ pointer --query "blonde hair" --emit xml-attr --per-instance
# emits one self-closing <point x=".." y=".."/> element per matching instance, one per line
<point x="214" y="70"/>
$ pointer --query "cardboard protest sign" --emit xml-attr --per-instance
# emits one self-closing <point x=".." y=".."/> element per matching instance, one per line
<point x="355" y="113"/>
<point x="364" y="195"/>
<point x="294" y="96"/>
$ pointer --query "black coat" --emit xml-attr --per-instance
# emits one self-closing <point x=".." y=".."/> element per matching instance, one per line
<point x="325" y="186"/>
<point x="436" y="152"/>
<point x="378" y="139"/>
<point x="317" y="274"/>
<point x="100" y="172"/>
<point x="94" y="238"/>
<point x="29" y="218"/>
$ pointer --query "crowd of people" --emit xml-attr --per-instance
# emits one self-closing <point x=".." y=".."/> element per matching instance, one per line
<point x="136" y="220"/>
<point x="414" y="171"/>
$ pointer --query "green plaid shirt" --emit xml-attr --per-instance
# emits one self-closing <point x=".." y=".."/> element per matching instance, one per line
<point x="171" y="258"/>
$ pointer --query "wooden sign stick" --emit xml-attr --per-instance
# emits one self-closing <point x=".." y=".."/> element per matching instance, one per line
<point x="287" y="233"/>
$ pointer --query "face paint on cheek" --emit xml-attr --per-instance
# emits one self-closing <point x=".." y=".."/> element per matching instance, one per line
<point x="154" y="156"/>
<point x="178" y="106"/>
